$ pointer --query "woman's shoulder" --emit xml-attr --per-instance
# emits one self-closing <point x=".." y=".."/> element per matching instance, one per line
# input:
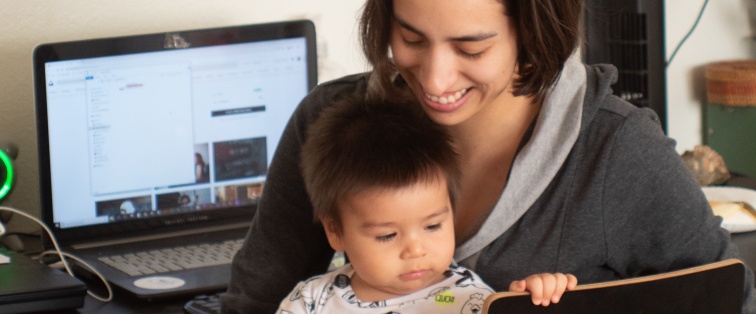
<point x="326" y="93"/>
<point x="348" y="80"/>
<point x="604" y="110"/>
<point x="334" y="89"/>
<point x="617" y="115"/>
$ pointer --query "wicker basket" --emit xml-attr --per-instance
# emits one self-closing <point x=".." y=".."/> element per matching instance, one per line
<point x="731" y="83"/>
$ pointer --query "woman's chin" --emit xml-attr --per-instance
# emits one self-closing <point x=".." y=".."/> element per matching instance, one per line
<point x="445" y="118"/>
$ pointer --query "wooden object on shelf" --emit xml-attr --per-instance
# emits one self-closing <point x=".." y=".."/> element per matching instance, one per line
<point x="731" y="83"/>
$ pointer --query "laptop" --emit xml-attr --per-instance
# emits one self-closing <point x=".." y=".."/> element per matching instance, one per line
<point x="155" y="144"/>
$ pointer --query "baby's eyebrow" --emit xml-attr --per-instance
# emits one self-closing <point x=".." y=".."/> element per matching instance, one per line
<point x="465" y="38"/>
<point x="374" y="224"/>
<point x="440" y="212"/>
<point x="371" y="225"/>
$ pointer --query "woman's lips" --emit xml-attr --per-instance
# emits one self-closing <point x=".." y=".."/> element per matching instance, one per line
<point x="447" y="103"/>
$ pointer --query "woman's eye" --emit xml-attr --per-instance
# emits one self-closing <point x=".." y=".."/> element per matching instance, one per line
<point x="385" y="238"/>
<point x="433" y="227"/>
<point x="471" y="56"/>
<point x="412" y="43"/>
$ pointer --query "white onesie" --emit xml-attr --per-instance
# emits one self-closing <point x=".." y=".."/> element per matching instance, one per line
<point x="462" y="292"/>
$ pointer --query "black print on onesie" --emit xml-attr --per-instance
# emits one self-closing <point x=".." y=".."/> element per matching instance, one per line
<point x="350" y="298"/>
<point x="376" y="304"/>
<point x="474" y="305"/>
<point x="466" y="276"/>
<point x="437" y="291"/>
<point x="341" y="281"/>
<point x="327" y="294"/>
<point x="305" y="295"/>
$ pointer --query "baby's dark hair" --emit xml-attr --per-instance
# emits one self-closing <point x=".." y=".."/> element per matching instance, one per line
<point x="355" y="145"/>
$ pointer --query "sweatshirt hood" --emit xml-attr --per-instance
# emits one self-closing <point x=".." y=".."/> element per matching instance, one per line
<point x="556" y="130"/>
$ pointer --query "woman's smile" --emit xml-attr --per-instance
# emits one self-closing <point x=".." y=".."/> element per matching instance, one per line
<point x="448" y="102"/>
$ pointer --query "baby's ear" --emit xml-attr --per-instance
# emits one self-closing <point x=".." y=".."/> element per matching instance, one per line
<point x="333" y="232"/>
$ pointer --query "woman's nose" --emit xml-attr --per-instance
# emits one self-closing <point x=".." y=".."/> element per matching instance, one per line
<point x="438" y="71"/>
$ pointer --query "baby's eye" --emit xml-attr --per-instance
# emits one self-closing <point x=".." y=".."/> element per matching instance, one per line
<point x="385" y="238"/>
<point x="433" y="227"/>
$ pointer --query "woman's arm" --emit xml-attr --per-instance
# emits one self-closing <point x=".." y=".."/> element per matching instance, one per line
<point x="657" y="218"/>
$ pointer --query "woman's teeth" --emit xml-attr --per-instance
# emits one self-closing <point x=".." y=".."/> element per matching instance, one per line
<point x="447" y="99"/>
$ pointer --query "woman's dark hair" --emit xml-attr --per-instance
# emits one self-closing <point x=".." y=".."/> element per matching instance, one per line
<point x="355" y="146"/>
<point x="548" y="31"/>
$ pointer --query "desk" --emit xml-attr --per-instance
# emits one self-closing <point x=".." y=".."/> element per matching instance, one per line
<point x="123" y="303"/>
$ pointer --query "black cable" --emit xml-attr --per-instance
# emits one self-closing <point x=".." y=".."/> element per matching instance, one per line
<point x="687" y="35"/>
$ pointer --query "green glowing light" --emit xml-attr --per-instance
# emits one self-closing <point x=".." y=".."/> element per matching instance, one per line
<point x="8" y="182"/>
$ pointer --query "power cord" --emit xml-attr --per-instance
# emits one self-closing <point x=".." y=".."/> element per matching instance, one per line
<point x="62" y="255"/>
<point x="677" y="48"/>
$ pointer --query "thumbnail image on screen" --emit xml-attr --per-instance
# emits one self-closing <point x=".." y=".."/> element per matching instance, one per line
<point x="240" y="159"/>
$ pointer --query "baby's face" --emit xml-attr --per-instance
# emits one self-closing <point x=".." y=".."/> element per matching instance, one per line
<point x="398" y="240"/>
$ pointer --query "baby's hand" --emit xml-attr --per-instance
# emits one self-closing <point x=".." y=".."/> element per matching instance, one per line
<point x="545" y="288"/>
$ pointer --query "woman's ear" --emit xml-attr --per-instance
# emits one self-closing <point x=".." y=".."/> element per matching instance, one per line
<point x="334" y="235"/>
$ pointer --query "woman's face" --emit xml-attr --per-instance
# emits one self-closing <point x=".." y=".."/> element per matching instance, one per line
<point x="458" y="56"/>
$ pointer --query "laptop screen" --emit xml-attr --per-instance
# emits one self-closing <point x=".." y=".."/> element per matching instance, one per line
<point x="165" y="130"/>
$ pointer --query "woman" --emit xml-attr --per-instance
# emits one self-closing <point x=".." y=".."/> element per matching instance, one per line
<point x="200" y="168"/>
<point x="558" y="174"/>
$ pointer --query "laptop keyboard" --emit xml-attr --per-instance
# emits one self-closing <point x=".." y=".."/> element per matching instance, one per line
<point x="175" y="258"/>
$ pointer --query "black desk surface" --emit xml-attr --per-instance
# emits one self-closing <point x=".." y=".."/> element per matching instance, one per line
<point x="126" y="304"/>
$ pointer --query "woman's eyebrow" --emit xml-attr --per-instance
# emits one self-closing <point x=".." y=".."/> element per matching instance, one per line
<point x="467" y="38"/>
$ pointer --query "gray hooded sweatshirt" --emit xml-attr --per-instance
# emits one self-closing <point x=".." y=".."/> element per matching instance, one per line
<point x="597" y="191"/>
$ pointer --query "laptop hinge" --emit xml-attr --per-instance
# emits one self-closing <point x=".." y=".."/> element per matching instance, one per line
<point x="90" y="245"/>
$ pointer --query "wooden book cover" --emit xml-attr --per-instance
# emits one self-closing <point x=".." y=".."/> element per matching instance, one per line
<point x="711" y="288"/>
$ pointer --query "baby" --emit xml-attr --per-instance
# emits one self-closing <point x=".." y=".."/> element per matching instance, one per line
<point x="383" y="180"/>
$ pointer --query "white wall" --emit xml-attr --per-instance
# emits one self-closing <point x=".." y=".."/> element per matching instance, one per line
<point x="723" y="34"/>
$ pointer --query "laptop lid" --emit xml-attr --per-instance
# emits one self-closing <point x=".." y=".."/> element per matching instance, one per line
<point x="153" y="133"/>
